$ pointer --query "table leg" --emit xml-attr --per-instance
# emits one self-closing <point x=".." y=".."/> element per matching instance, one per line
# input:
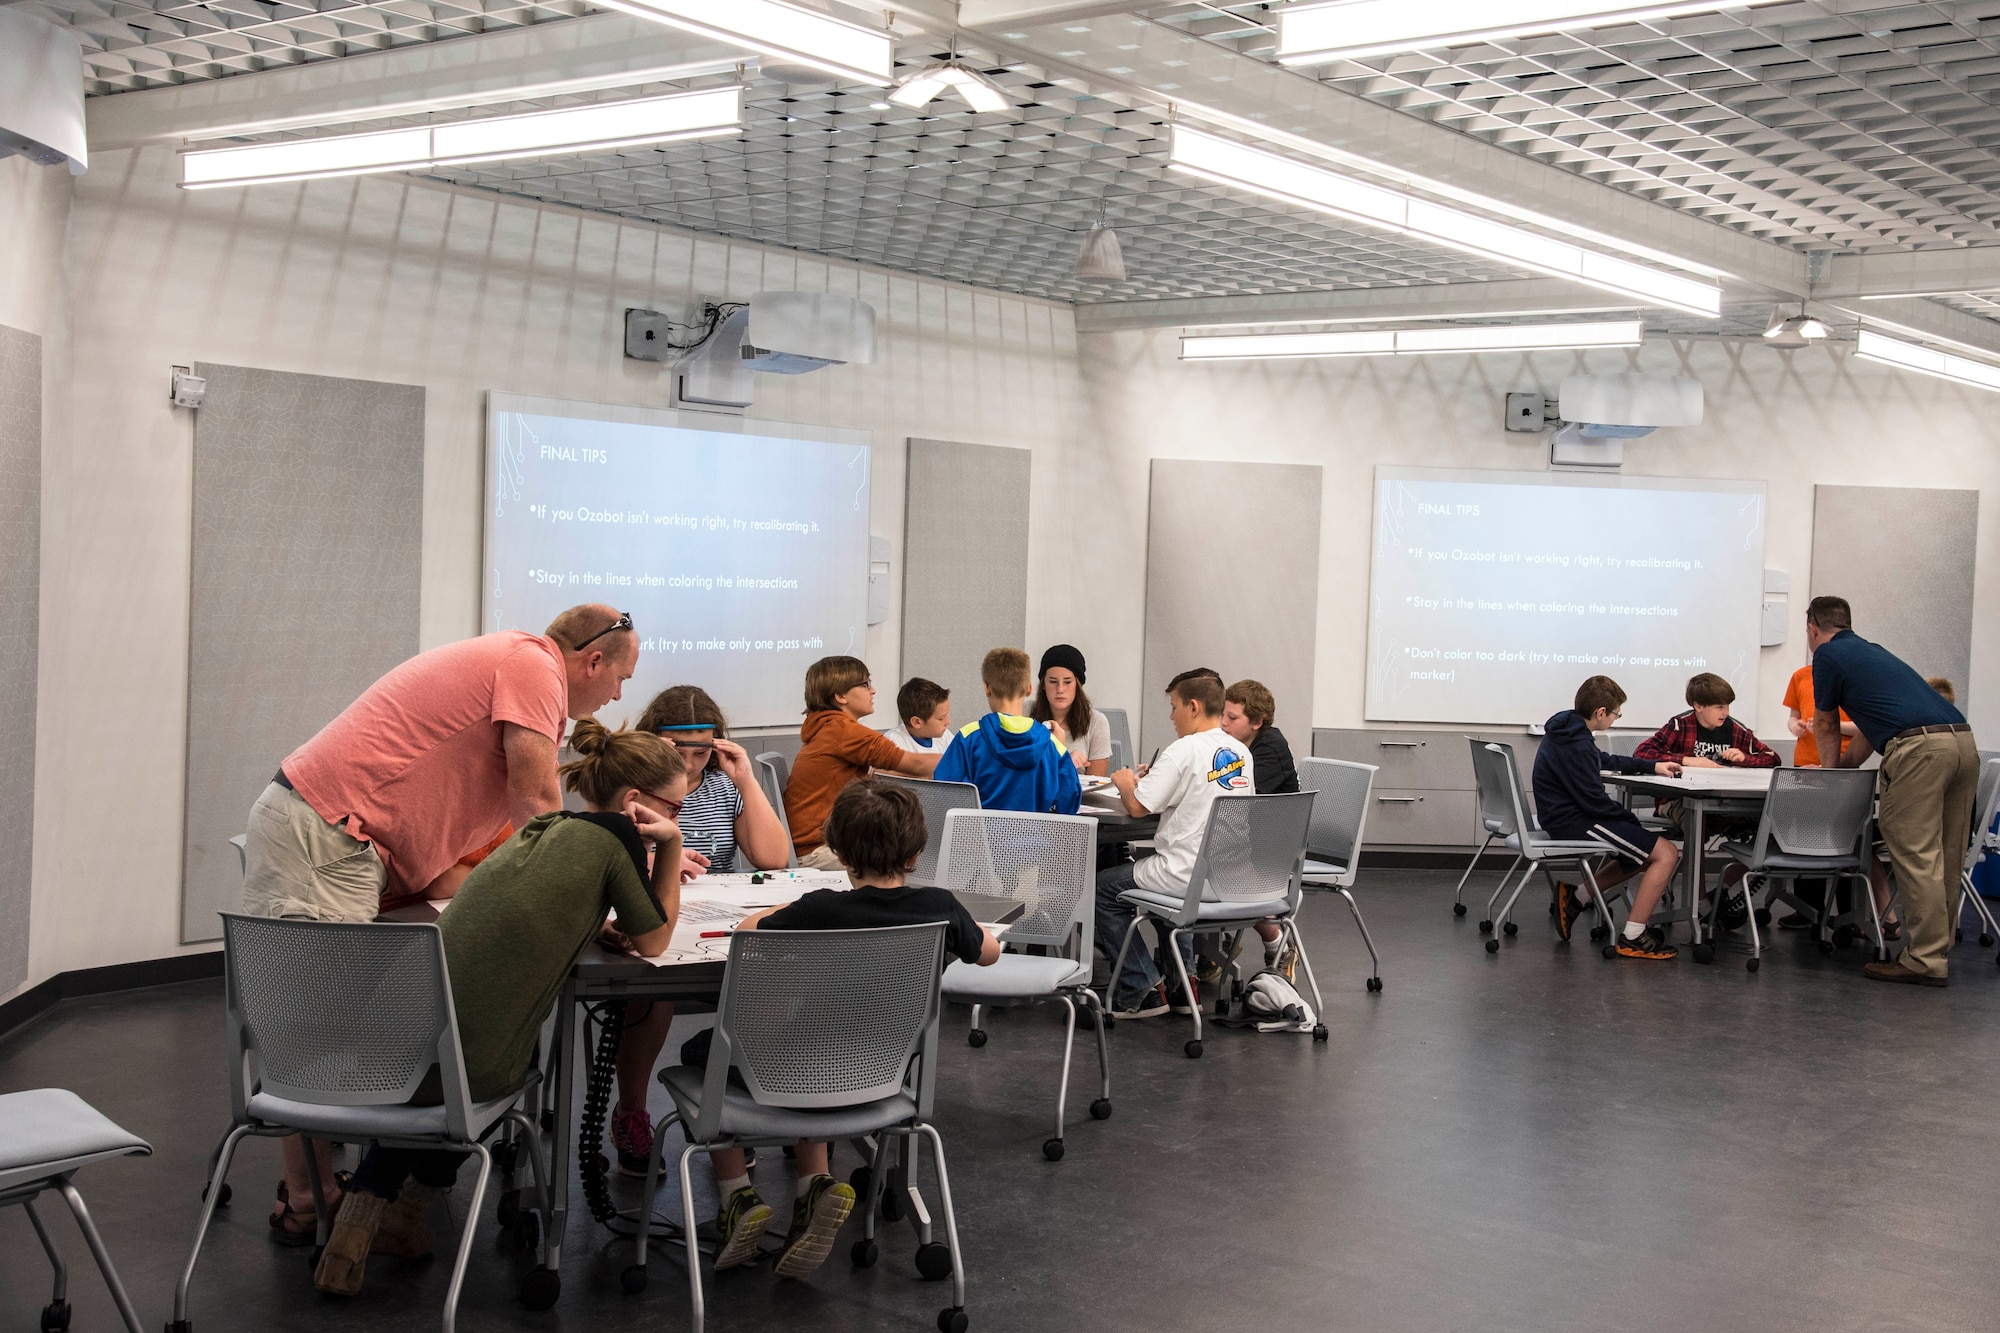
<point x="559" y="1140"/>
<point x="1697" y="838"/>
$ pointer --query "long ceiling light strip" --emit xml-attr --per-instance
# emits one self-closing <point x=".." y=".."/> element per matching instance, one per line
<point x="1352" y="29"/>
<point x="1927" y="361"/>
<point x="1413" y="342"/>
<point x="576" y="129"/>
<point x="781" y="30"/>
<point x="1227" y="162"/>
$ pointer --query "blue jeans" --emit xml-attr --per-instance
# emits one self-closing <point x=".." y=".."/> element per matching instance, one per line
<point x="1139" y="975"/>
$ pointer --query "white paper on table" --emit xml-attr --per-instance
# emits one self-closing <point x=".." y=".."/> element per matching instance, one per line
<point x="713" y="903"/>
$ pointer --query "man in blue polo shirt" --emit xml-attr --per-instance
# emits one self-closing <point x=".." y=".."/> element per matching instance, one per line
<point x="1930" y="774"/>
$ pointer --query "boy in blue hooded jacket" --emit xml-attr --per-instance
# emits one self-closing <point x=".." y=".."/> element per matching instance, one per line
<point x="1016" y="763"/>
<point x="1570" y="802"/>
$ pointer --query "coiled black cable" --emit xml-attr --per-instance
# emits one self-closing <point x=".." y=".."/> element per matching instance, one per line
<point x="592" y="1160"/>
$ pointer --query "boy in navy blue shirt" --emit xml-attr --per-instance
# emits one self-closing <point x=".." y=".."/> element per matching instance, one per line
<point x="1016" y="763"/>
<point x="1571" y="803"/>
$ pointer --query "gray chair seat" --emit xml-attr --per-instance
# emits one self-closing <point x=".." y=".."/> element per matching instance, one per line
<point x="1317" y="869"/>
<point x="1784" y="861"/>
<point x="743" y="1118"/>
<point x="49" y="1132"/>
<point x="1168" y="904"/>
<point x="371" y="1122"/>
<point x="1013" y="976"/>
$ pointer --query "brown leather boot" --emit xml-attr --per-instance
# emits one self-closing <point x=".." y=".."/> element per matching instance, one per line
<point x="346" y="1259"/>
<point x="405" y="1232"/>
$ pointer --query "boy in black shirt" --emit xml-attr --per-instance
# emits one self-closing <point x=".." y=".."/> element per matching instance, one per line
<point x="878" y="832"/>
<point x="1247" y="710"/>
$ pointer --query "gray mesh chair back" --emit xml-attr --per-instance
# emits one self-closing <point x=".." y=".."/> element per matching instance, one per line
<point x="1047" y="862"/>
<point x="1121" y="735"/>
<point x="771" y="777"/>
<point x="825" y="1018"/>
<point x="1985" y="809"/>
<point x="1502" y="808"/>
<point x="1339" y="810"/>
<point x="241" y="842"/>
<point x="1816" y="812"/>
<point x="1253" y="851"/>
<point x="340" y="1013"/>
<point x="1119" y="758"/>
<point x="938" y="799"/>
<point x="781" y="766"/>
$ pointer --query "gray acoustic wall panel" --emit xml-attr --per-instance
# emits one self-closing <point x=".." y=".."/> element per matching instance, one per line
<point x="308" y="542"/>
<point x="1903" y="558"/>
<point x="1232" y="582"/>
<point x="965" y="567"/>
<point x="20" y="609"/>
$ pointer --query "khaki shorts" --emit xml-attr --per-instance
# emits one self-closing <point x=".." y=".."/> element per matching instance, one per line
<point x="820" y="858"/>
<point x="296" y="864"/>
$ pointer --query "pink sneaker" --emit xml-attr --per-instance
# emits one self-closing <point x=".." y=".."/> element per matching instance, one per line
<point x="632" y="1136"/>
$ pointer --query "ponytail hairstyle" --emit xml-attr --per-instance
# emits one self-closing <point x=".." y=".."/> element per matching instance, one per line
<point x="610" y="761"/>
<point x="684" y="706"/>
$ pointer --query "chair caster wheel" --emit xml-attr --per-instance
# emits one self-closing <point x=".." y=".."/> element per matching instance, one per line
<point x="934" y="1261"/>
<point x="55" y="1317"/>
<point x="857" y="1180"/>
<point x="864" y="1254"/>
<point x="179" y="1326"/>
<point x="1600" y="933"/>
<point x="1101" y="1109"/>
<point x="1053" y="1150"/>
<point x="1375" y="984"/>
<point x="1510" y="930"/>
<point x="509" y="1210"/>
<point x="1879" y="955"/>
<point x="1704" y="953"/>
<point x="1826" y="946"/>
<point x="1193" y="1050"/>
<point x="1753" y="965"/>
<point x="540" y="1287"/>
<point x="1458" y="909"/>
<point x="1319" y="1032"/>
<point x="976" y="1037"/>
<point x="527" y="1232"/>
<point x="1985" y="942"/>
<point x="953" y="1320"/>
<point x="222" y="1199"/>
<point x="1610" y="951"/>
<point x="1486" y="927"/>
<point x="892" y="1203"/>
<point x="1110" y="1020"/>
<point x="633" y="1280"/>
<point x="1493" y="946"/>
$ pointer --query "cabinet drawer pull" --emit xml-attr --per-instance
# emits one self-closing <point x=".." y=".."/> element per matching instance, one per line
<point x="1398" y="800"/>
<point x="1402" y="745"/>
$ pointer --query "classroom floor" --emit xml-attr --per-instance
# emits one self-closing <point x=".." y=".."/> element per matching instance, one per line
<point x="1534" y="1141"/>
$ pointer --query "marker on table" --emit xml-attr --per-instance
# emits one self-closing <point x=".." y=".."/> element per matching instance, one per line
<point x="716" y="934"/>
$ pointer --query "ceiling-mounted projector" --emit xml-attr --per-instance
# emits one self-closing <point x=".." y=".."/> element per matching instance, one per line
<point x="778" y="333"/>
<point x="1600" y="412"/>
<point x="41" y="92"/>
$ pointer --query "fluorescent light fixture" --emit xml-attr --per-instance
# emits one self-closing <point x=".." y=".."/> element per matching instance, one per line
<point x="1793" y="331"/>
<point x="786" y="31"/>
<point x="574" y="129"/>
<point x="980" y="93"/>
<point x="1414" y="342"/>
<point x="1227" y="162"/>
<point x="1926" y="361"/>
<point x="1350" y="29"/>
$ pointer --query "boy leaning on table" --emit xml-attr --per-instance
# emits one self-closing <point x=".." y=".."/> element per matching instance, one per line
<point x="1571" y="803"/>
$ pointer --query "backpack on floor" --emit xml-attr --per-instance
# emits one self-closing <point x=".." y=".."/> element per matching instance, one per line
<point x="1270" y="1003"/>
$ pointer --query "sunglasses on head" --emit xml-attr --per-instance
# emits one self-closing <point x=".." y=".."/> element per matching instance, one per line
<point x="624" y="621"/>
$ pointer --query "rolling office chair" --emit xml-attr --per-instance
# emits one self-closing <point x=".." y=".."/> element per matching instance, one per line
<point x="1815" y="824"/>
<point x="1985" y="810"/>
<point x="1333" y="842"/>
<point x="1495" y="771"/>
<point x="1049" y="864"/>
<point x="938" y="800"/>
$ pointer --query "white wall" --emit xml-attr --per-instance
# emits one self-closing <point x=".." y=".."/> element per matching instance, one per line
<point x="387" y="279"/>
<point x="1789" y="419"/>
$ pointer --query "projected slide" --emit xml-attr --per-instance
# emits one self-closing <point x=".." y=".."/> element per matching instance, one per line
<point x="1494" y="594"/>
<point x="741" y="554"/>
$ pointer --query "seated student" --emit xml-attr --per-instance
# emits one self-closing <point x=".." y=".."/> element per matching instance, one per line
<point x="837" y="751"/>
<point x="925" y="707"/>
<point x="1247" y="710"/>
<point x="725" y="811"/>
<point x="877" y="832"/>
<point x="1571" y="803"/>
<point x="1016" y="763"/>
<point x="1062" y="704"/>
<point x="511" y="934"/>
<point x="1181" y="784"/>
<point x="1706" y="736"/>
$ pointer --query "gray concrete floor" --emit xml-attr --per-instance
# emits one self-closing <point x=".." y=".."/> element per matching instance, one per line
<point x="1537" y="1140"/>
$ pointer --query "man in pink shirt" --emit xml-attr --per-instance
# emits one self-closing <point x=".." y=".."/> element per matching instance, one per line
<point x="430" y="763"/>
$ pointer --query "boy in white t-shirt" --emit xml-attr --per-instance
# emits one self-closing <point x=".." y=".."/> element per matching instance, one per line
<point x="925" y="707"/>
<point x="1180" y="786"/>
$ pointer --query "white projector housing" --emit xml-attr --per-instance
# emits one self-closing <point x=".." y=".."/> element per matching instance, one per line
<point x="1629" y="404"/>
<point x="41" y="92"/>
<point x="779" y="333"/>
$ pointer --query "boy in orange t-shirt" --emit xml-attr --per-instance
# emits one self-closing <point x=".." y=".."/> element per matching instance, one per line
<point x="1799" y="698"/>
<point x="837" y="750"/>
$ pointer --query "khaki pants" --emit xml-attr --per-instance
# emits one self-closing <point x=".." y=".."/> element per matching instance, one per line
<point x="1927" y="788"/>
<point x="296" y="864"/>
<point x="822" y="858"/>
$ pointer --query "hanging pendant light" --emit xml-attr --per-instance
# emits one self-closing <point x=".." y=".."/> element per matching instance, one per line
<point x="1101" y="259"/>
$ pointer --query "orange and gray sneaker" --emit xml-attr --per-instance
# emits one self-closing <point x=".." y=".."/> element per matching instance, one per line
<point x="1650" y="943"/>
<point x="1569" y="906"/>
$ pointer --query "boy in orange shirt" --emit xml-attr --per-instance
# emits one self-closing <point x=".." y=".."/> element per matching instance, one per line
<point x="837" y="750"/>
<point x="1799" y="698"/>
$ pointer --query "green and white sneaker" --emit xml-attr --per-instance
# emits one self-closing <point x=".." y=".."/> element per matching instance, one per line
<point x="740" y="1226"/>
<point x="816" y="1219"/>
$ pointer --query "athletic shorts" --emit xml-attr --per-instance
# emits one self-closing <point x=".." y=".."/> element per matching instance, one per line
<point x="1634" y="841"/>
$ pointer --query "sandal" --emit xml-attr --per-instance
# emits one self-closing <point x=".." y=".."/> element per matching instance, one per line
<point x="1892" y="931"/>
<point x="296" y="1229"/>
